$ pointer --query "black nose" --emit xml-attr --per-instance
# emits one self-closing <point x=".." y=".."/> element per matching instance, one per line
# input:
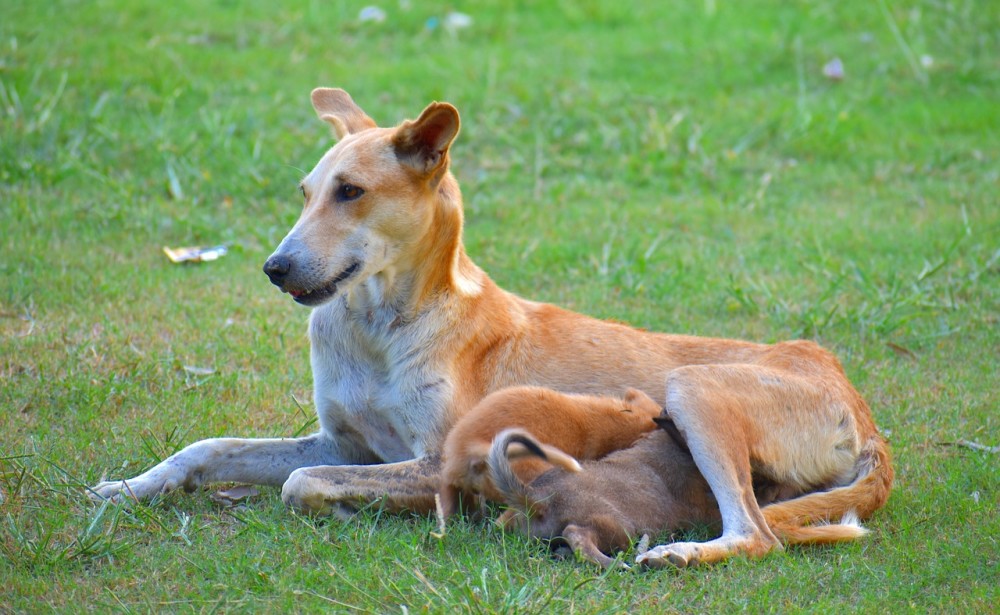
<point x="277" y="268"/>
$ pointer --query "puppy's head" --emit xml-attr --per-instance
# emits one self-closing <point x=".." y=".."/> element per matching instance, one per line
<point x="641" y="403"/>
<point x="366" y="201"/>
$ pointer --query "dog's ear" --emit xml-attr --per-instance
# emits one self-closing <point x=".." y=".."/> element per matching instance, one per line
<point x="335" y="107"/>
<point x="423" y="143"/>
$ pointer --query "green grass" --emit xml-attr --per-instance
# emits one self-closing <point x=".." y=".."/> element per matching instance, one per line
<point x="684" y="167"/>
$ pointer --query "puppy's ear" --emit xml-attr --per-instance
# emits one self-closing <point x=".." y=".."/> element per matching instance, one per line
<point x="335" y="107"/>
<point x="423" y="143"/>
<point x="639" y="402"/>
<point x="640" y="399"/>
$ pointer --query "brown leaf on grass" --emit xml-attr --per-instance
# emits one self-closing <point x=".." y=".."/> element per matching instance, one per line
<point x="902" y="350"/>
<point x="234" y="495"/>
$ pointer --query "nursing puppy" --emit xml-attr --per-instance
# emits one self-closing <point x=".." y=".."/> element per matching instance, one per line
<point x="576" y="426"/>
<point x="650" y="488"/>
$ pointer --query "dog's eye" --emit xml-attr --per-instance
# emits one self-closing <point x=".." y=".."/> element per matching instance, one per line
<point x="302" y="189"/>
<point x="348" y="192"/>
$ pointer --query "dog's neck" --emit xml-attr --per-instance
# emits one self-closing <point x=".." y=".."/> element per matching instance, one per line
<point x="436" y="266"/>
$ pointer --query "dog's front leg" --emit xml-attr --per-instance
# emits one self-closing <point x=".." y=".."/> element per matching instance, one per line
<point x="342" y="490"/>
<point x="258" y="461"/>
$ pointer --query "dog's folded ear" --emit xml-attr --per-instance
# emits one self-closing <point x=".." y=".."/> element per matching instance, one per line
<point x="336" y="107"/>
<point x="423" y="143"/>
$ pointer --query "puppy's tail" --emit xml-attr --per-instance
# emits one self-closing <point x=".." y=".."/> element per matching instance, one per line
<point x="517" y="443"/>
<point x="807" y="519"/>
<point x="522" y="444"/>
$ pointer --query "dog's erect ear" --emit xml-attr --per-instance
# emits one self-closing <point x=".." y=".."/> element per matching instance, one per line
<point x="423" y="143"/>
<point x="335" y="107"/>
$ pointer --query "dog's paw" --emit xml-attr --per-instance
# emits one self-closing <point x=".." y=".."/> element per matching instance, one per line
<point x="313" y="496"/>
<point x="140" y="488"/>
<point x="675" y="555"/>
<point x="114" y="490"/>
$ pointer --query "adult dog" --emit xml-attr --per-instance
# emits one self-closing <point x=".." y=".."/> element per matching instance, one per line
<point x="408" y="333"/>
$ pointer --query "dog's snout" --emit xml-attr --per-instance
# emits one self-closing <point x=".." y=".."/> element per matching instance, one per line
<point x="277" y="267"/>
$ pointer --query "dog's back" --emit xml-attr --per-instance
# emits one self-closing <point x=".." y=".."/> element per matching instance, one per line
<point x="580" y="426"/>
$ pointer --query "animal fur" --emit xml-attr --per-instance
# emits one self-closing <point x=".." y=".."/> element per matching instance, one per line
<point x="407" y="334"/>
<point x="650" y="488"/>
<point x="576" y="427"/>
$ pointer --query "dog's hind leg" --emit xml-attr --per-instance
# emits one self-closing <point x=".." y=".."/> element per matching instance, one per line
<point x="342" y="490"/>
<point x="739" y="419"/>
<point x="259" y="461"/>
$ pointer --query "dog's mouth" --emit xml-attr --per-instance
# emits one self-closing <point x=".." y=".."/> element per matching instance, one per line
<point x="316" y="296"/>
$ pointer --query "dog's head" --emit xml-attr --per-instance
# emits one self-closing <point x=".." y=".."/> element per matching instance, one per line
<point x="366" y="202"/>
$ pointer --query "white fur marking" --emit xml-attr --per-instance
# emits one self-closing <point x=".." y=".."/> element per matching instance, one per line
<point x="851" y="518"/>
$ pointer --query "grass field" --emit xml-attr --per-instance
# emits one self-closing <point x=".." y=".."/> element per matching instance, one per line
<point x="681" y="166"/>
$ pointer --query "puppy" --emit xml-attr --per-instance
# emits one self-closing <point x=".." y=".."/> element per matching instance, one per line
<point x="576" y="426"/>
<point x="651" y="487"/>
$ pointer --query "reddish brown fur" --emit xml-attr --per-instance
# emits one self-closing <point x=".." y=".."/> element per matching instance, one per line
<point x="655" y="487"/>
<point x="651" y="487"/>
<point x="584" y="426"/>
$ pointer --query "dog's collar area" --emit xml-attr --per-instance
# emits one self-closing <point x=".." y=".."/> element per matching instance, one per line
<point x="319" y="295"/>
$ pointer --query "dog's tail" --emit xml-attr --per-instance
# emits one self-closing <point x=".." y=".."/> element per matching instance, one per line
<point x="809" y="519"/>
<point x="516" y="443"/>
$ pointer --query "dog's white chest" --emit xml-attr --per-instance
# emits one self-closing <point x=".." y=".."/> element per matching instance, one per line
<point x="382" y="402"/>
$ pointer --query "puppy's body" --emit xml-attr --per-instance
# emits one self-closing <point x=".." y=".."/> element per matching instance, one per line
<point x="651" y="487"/>
<point x="407" y="334"/>
<point x="582" y="426"/>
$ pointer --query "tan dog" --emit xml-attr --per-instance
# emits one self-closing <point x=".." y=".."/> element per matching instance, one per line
<point x="579" y="426"/>
<point x="408" y="334"/>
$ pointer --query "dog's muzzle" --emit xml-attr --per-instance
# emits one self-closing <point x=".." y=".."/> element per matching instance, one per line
<point x="285" y="275"/>
<point x="277" y="267"/>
